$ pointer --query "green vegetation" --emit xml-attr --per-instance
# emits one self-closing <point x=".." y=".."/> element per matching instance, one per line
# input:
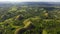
<point x="29" y="20"/>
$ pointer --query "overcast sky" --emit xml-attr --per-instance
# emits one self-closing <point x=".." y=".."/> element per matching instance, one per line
<point x="29" y="0"/>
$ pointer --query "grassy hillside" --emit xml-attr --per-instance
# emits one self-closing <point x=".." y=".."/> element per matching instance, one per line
<point x="29" y="20"/>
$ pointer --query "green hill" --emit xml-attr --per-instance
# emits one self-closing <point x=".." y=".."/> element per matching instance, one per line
<point x="29" y="20"/>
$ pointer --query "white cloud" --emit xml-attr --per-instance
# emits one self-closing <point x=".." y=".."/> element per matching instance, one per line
<point x="30" y="0"/>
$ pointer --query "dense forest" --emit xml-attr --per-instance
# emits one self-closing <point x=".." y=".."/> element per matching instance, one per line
<point x="29" y="20"/>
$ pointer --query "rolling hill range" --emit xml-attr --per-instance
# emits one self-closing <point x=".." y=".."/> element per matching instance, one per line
<point x="30" y="18"/>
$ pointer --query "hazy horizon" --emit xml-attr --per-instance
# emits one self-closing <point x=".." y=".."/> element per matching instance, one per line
<point x="29" y="0"/>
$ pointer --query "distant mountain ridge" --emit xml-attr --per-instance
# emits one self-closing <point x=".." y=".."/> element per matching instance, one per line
<point x="30" y="3"/>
